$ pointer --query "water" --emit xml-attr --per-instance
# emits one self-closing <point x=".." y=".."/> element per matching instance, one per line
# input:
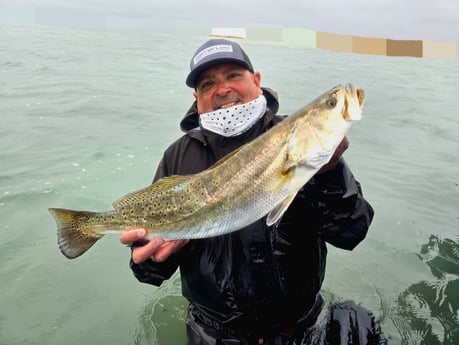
<point x="85" y="117"/>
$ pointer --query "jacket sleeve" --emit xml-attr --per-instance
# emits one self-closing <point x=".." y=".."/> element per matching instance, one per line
<point x="342" y="215"/>
<point x="151" y="272"/>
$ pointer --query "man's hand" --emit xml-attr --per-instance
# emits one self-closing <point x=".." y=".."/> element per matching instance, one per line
<point x="343" y="145"/>
<point x="157" y="248"/>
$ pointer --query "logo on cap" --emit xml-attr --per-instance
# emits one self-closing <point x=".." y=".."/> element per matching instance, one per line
<point x="221" y="48"/>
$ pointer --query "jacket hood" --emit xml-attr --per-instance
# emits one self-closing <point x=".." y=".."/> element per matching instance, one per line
<point x="191" y="118"/>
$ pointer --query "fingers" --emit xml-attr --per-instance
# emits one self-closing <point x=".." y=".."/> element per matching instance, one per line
<point x="157" y="248"/>
<point x="130" y="236"/>
<point x="147" y="251"/>
<point x="142" y="248"/>
<point x="168" y="248"/>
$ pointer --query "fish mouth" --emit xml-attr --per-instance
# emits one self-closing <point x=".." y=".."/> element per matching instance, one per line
<point x="360" y="96"/>
<point x="353" y="102"/>
<point x="352" y="90"/>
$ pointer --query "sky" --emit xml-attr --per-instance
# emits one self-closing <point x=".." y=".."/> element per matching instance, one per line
<point x="436" y="20"/>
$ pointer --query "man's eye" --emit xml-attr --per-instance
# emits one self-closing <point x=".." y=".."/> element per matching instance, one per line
<point x="234" y="75"/>
<point x="205" y="84"/>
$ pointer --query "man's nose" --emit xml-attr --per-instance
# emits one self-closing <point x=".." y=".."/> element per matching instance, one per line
<point x="222" y="87"/>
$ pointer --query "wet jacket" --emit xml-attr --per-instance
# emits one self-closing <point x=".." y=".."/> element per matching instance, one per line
<point x="260" y="276"/>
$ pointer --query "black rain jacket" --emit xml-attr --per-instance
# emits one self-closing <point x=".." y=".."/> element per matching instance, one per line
<point x="260" y="276"/>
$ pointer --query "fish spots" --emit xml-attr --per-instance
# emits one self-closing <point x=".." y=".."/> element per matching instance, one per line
<point x="200" y="190"/>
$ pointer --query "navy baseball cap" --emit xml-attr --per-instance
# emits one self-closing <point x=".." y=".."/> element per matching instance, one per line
<point x="213" y="52"/>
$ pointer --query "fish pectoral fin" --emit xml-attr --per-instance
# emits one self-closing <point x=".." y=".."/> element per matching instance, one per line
<point x="277" y="212"/>
<point x="284" y="177"/>
<point x="174" y="183"/>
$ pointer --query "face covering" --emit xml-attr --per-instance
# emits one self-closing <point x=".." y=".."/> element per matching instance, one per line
<point x="234" y="120"/>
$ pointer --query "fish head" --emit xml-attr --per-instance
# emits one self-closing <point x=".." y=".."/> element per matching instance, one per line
<point x="321" y="125"/>
<point x="334" y="111"/>
<point x="343" y="102"/>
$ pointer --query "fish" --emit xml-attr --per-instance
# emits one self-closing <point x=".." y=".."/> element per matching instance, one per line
<point x="261" y="178"/>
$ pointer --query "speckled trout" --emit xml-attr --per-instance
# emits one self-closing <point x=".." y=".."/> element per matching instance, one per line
<point x="259" y="179"/>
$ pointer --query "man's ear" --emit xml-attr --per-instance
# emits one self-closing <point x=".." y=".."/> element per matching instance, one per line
<point x="257" y="78"/>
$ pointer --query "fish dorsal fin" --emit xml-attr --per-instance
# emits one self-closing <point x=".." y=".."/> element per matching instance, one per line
<point x="174" y="183"/>
<point x="277" y="212"/>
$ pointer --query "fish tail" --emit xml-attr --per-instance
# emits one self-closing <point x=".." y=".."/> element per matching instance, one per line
<point x="74" y="236"/>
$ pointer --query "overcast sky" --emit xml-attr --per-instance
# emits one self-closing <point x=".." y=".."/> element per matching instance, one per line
<point x="399" y="19"/>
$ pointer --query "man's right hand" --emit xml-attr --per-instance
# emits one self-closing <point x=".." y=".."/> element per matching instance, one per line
<point x="156" y="248"/>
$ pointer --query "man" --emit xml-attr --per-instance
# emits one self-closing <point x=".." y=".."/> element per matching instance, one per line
<point x="260" y="284"/>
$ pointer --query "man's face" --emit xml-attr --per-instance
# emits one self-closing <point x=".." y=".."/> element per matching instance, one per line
<point x="225" y="85"/>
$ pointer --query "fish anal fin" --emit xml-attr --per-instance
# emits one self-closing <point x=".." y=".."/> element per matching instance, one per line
<point x="277" y="212"/>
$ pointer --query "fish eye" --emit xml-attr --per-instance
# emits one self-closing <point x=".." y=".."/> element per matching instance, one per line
<point x="331" y="102"/>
